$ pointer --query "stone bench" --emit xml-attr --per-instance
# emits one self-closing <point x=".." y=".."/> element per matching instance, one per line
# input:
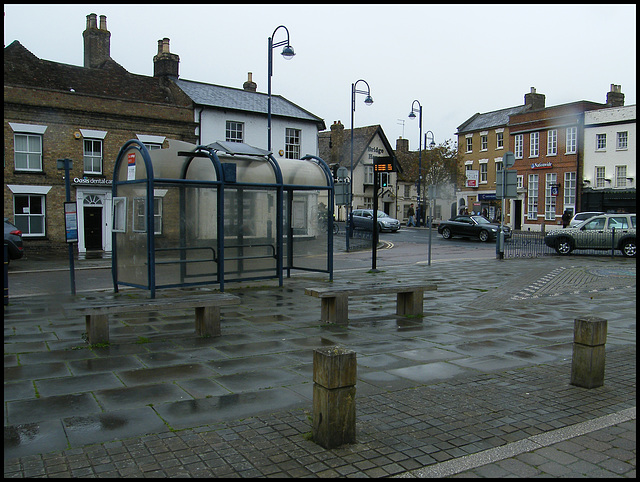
<point x="334" y="304"/>
<point x="207" y="312"/>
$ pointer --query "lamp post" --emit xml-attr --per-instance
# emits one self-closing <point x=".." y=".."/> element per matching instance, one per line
<point x="368" y="101"/>
<point x="287" y="53"/>
<point x="413" y="116"/>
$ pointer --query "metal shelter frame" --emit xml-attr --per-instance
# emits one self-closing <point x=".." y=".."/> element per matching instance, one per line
<point x="137" y="162"/>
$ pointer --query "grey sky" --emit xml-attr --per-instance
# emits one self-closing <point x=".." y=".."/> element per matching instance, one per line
<point x="454" y="59"/>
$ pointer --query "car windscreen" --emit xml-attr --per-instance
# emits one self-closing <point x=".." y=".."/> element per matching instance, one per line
<point x="481" y="220"/>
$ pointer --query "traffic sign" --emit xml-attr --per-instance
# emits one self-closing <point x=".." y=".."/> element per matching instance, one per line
<point x="509" y="159"/>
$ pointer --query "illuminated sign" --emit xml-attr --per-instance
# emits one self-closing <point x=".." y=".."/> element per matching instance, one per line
<point x="383" y="164"/>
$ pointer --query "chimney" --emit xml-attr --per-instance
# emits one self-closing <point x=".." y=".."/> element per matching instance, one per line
<point x="536" y="101"/>
<point x="336" y="142"/>
<point x="97" y="41"/>
<point x="165" y="64"/>
<point x="402" y="145"/>
<point x="250" y="85"/>
<point x="615" y="98"/>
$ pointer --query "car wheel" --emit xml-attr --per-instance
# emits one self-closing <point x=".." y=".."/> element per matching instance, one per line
<point x="629" y="249"/>
<point x="483" y="236"/>
<point x="446" y="233"/>
<point x="564" y="246"/>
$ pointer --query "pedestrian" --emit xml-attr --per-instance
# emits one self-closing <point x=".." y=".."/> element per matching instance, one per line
<point x="411" y="213"/>
<point x="418" y="214"/>
<point x="566" y="218"/>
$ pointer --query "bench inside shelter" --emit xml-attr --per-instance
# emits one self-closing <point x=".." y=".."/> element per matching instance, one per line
<point x="334" y="301"/>
<point x="206" y="306"/>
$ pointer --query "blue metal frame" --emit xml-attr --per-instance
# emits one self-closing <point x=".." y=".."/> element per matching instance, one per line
<point x="220" y="184"/>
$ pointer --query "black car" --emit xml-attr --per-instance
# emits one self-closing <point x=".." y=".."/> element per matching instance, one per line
<point x="472" y="226"/>
<point x="13" y="238"/>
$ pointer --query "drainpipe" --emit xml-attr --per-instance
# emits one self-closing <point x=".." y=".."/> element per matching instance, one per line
<point x="200" y="126"/>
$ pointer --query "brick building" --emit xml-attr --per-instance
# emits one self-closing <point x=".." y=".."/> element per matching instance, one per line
<point x="85" y="113"/>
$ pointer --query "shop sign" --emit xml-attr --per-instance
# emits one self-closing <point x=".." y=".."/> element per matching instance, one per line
<point x="472" y="178"/>
<point x="487" y="197"/>
<point x="541" y="165"/>
<point x="92" y="181"/>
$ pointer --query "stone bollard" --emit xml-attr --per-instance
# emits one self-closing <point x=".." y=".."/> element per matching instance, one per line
<point x="334" y="396"/>
<point x="589" y="338"/>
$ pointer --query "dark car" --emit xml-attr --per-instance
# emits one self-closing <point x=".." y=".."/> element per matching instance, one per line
<point x="363" y="219"/>
<point x="13" y="238"/>
<point x="472" y="226"/>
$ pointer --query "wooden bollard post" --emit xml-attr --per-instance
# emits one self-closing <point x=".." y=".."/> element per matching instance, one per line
<point x="334" y="396"/>
<point x="589" y="338"/>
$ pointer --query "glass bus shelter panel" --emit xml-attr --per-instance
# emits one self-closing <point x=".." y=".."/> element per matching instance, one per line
<point x="132" y="166"/>
<point x="131" y="235"/>
<point x="167" y="164"/>
<point x="250" y="229"/>
<point x="201" y="169"/>
<point x="309" y="225"/>
<point x="185" y="244"/>
<point x="302" y="173"/>
<point x="250" y="170"/>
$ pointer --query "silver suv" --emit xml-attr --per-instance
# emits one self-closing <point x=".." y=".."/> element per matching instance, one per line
<point x="601" y="232"/>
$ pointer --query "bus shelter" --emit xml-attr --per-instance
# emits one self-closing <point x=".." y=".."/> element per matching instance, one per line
<point x="192" y="215"/>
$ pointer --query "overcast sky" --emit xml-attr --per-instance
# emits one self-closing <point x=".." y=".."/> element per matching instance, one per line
<point x="454" y="59"/>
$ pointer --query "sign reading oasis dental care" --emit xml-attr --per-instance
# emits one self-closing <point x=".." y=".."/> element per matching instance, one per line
<point x="91" y="181"/>
<point x="541" y="165"/>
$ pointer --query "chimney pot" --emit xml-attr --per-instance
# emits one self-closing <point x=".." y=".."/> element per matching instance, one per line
<point x="91" y="20"/>
<point x="250" y="85"/>
<point x="103" y="22"/>
<point x="97" y="42"/>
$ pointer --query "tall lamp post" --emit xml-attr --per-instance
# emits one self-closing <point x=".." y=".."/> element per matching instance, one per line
<point x="287" y="53"/>
<point x="412" y="115"/>
<point x="431" y="145"/>
<point x="368" y="101"/>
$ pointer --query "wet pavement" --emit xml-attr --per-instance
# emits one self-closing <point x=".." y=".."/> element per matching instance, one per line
<point x="477" y="387"/>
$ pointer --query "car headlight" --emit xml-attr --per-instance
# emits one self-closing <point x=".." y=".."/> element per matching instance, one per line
<point x="494" y="229"/>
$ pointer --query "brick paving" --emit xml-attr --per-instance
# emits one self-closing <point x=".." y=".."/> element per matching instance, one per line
<point x="486" y="414"/>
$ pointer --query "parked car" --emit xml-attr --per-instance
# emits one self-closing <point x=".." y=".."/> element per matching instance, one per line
<point x="579" y="218"/>
<point x="471" y="226"/>
<point x="597" y="233"/>
<point x="363" y="219"/>
<point x="13" y="238"/>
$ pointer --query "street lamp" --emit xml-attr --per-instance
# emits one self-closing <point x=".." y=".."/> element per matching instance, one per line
<point x="368" y="101"/>
<point x="413" y="116"/>
<point x="287" y="53"/>
<point x="431" y="145"/>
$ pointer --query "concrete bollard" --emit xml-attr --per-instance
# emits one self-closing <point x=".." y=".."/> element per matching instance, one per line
<point x="589" y="338"/>
<point x="334" y="396"/>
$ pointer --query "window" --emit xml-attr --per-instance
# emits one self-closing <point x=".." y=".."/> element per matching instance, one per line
<point x="139" y="215"/>
<point x="532" y="197"/>
<point x="519" y="146"/>
<point x="28" y="152"/>
<point x="552" y="142"/>
<point x="601" y="142"/>
<point x="92" y="156"/>
<point x="152" y="147"/>
<point x="622" y="140"/>
<point x="368" y="174"/>
<point x="600" y="173"/>
<point x="569" y="188"/>
<point x="549" y="198"/>
<point x="368" y="203"/>
<point x="407" y="190"/>
<point x="572" y="140"/>
<point x="28" y="214"/>
<point x="483" y="143"/>
<point x="234" y="131"/>
<point x="483" y="172"/>
<point x="292" y="144"/>
<point x="520" y="181"/>
<point x="499" y="140"/>
<point x="621" y="176"/>
<point x="119" y="215"/>
<point x="534" y="144"/>
<point x="469" y="144"/>
<point x="498" y="165"/>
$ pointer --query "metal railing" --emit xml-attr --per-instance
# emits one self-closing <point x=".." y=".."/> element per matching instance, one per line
<point x="530" y="244"/>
